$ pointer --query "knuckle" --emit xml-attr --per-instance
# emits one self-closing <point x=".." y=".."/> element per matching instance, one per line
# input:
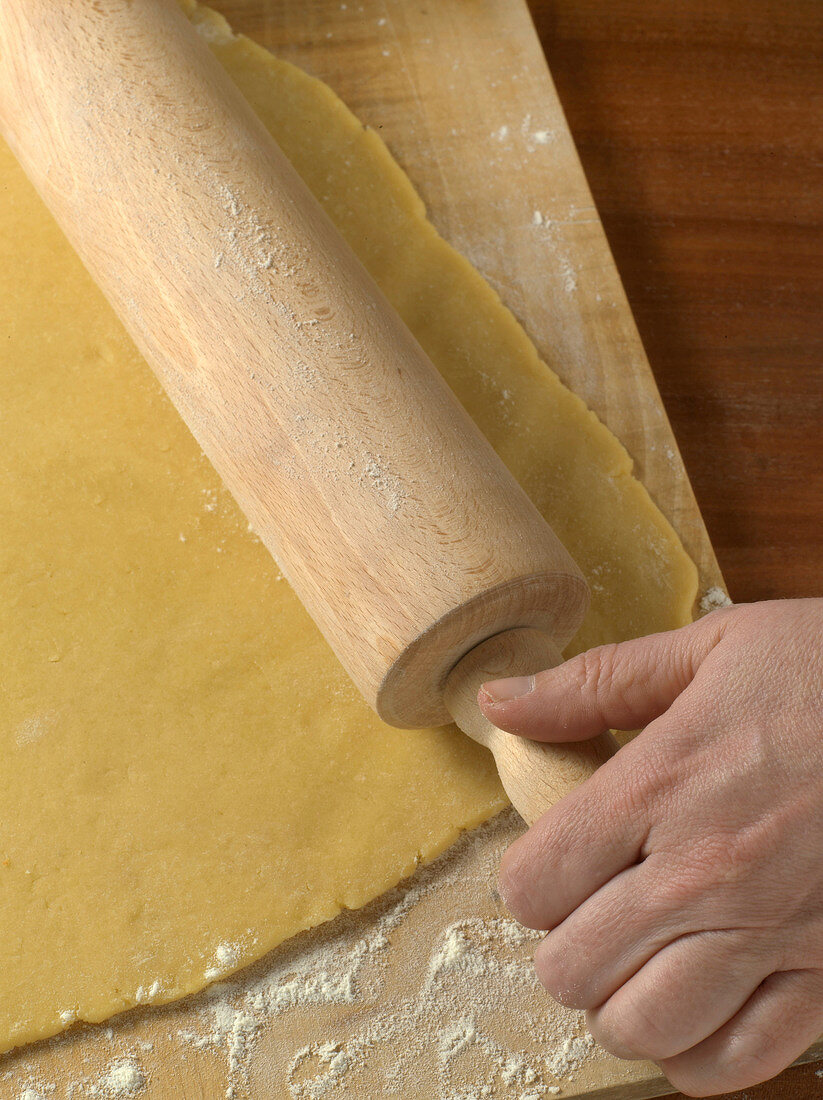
<point x="755" y="1065"/>
<point x="561" y="974"/>
<point x="702" y="1076"/>
<point x="608" y="675"/>
<point x="726" y="860"/>
<point x="755" y="842"/>
<point x="681" y="883"/>
<point x="633" y="1031"/>
<point x="516" y="885"/>
<point x="674" y="903"/>
<point x="594" y="669"/>
<point x="614" y="1038"/>
<point x="693" y="1080"/>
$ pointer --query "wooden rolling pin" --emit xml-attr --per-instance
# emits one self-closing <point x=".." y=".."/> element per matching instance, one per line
<point x="423" y="562"/>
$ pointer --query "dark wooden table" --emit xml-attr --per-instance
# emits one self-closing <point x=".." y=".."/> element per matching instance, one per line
<point x="700" y="127"/>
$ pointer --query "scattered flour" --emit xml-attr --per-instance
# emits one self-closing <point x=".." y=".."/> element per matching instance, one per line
<point x="120" y="1079"/>
<point x="573" y="1051"/>
<point x="226" y="956"/>
<point x="446" y="1023"/>
<point x="387" y="485"/>
<point x="552" y="232"/>
<point x="146" y="994"/>
<point x="333" y="1063"/>
<point x="34" y="728"/>
<point x="714" y="598"/>
<point x="316" y="1011"/>
<point x="211" y="26"/>
<point x="123" y="1078"/>
<point x="534" y="137"/>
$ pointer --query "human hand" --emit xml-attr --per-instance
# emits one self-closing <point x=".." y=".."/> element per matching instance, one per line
<point x="682" y="885"/>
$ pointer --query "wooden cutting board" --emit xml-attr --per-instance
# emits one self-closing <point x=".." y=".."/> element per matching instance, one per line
<point x="462" y="95"/>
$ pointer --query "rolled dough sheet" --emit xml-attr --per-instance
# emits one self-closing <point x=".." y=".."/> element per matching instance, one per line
<point x="188" y="777"/>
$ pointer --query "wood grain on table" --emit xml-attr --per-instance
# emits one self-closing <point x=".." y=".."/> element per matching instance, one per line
<point x="698" y="126"/>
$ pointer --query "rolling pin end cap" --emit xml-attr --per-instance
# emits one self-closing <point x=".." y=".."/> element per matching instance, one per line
<point x="411" y="694"/>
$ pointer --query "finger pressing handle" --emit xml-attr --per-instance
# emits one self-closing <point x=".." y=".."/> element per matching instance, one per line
<point x="624" y="685"/>
<point x="534" y="775"/>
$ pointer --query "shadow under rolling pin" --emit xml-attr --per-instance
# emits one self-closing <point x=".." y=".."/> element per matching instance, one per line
<point x="421" y="559"/>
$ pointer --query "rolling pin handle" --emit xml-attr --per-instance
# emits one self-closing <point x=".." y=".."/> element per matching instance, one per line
<point x="535" y="775"/>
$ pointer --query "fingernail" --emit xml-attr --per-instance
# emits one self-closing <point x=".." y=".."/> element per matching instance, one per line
<point x="501" y="691"/>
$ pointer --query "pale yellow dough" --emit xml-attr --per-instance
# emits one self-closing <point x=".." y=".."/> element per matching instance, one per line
<point x="185" y="765"/>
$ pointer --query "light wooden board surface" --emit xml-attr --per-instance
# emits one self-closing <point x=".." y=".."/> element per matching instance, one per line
<point x="462" y="95"/>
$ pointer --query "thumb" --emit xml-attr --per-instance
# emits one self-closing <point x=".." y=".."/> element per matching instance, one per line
<point x="621" y="686"/>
